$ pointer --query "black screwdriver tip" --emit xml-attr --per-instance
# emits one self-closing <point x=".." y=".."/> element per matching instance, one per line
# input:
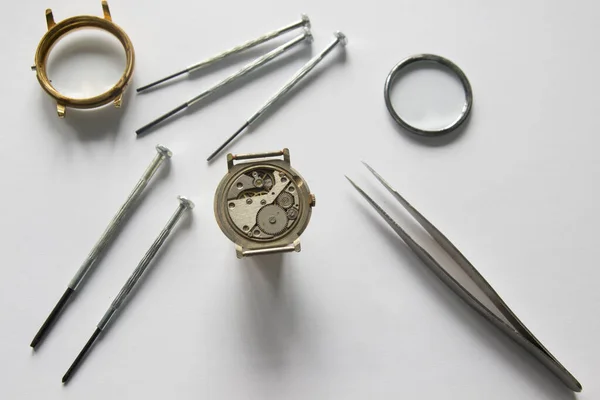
<point x="160" y="119"/>
<point x="81" y="356"/>
<point x="226" y="143"/>
<point x="162" y="80"/>
<point x="52" y="317"/>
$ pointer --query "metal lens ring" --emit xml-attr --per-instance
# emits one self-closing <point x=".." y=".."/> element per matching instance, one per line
<point x="466" y="110"/>
<point x="56" y="31"/>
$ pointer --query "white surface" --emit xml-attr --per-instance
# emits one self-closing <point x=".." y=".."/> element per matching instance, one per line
<point x="354" y="315"/>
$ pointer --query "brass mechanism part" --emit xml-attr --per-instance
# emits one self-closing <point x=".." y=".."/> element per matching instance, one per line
<point x="57" y="31"/>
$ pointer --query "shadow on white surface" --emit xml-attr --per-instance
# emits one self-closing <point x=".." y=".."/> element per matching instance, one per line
<point x="87" y="125"/>
<point x="271" y="324"/>
<point x="529" y="368"/>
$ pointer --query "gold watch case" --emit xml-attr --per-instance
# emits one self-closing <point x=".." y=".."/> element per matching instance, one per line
<point x="57" y="31"/>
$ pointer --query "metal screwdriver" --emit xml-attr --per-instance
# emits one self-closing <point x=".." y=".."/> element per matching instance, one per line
<point x="184" y="205"/>
<point x="306" y="36"/>
<point x="304" y="22"/>
<point x="340" y="38"/>
<point x="109" y="234"/>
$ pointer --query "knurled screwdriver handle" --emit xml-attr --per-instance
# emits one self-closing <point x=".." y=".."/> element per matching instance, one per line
<point x="109" y="234"/>
<point x="340" y="38"/>
<point x="162" y="154"/>
<point x="184" y="205"/>
<point x="303" y="22"/>
<point x="306" y="35"/>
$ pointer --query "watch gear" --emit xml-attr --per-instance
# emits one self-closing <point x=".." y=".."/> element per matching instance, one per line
<point x="272" y="219"/>
<point x="285" y="200"/>
<point x="292" y="213"/>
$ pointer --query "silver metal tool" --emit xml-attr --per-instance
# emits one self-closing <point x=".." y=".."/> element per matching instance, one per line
<point x="257" y="63"/>
<point x="340" y="38"/>
<point x="109" y="234"/>
<point x="184" y="205"/>
<point x="513" y="328"/>
<point x="304" y="22"/>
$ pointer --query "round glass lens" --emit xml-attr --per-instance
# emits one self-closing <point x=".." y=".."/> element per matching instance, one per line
<point x="427" y="95"/>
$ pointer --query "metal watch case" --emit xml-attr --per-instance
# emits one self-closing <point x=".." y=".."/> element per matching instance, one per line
<point x="263" y="205"/>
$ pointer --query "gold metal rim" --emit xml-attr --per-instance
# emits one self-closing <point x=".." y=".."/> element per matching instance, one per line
<point x="57" y="31"/>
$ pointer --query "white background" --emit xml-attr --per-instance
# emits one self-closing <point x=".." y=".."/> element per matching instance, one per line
<point x="354" y="315"/>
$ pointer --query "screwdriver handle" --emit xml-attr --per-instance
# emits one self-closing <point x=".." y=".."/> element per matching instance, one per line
<point x="162" y="154"/>
<point x="303" y="22"/>
<point x="143" y="264"/>
<point x="257" y="63"/>
<point x="297" y="77"/>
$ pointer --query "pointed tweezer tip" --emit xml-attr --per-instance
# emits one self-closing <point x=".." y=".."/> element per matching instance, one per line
<point x="356" y="186"/>
<point x="371" y="169"/>
<point x="380" y="179"/>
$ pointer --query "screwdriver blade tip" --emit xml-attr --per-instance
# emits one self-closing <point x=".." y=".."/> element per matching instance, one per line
<point x="52" y="317"/>
<point x="82" y="354"/>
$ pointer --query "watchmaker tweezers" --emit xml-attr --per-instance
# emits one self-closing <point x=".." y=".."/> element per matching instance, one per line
<point x="516" y="330"/>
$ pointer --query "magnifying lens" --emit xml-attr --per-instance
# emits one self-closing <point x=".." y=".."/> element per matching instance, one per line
<point x="428" y="95"/>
